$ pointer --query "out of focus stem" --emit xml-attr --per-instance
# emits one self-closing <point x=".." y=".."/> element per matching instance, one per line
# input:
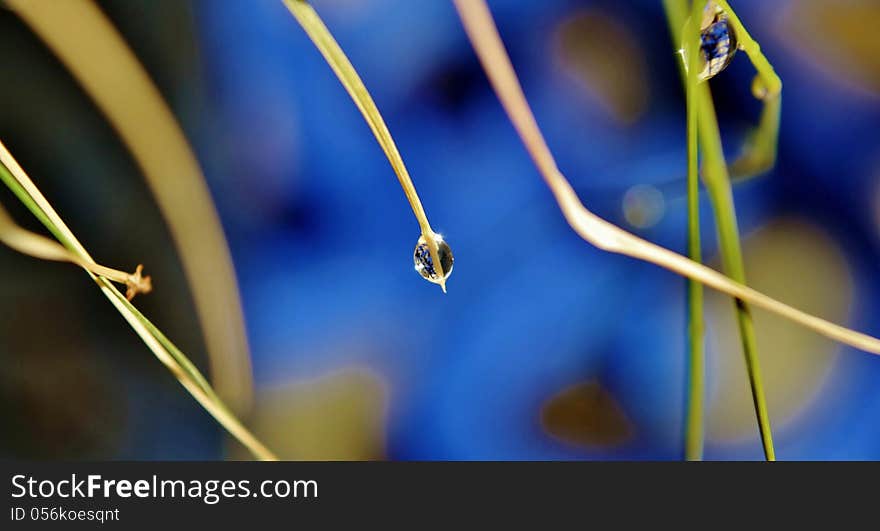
<point x="717" y="182"/>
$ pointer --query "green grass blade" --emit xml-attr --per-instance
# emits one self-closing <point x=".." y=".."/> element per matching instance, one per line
<point x="758" y="155"/>
<point x="759" y="152"/>
<point x="717" y="181"/>
<point x="694" y="419"/>
<point x="98" y="57"/>
<point x="183" y="369"/>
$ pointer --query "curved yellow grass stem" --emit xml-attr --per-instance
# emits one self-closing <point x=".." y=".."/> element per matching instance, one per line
<point x="88" y="44"/>
<point x="771" y="84"/>
<point x="758" y="155"/>
<point x="487" y="43"/>
<point x="335" y="57"/>
<point x="165" y="351"/>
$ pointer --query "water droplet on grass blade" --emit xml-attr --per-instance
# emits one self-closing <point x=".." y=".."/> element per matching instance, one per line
<point x="424" y="264"/>
<point x="718" y="42"/>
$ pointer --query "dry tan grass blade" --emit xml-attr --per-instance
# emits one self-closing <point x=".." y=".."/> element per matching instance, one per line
<point x="481" y="30"/>
<point x="88" y="44"/>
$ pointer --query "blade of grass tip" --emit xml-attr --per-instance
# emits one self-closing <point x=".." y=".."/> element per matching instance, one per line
<point x="481" y="30"/>
<point x="718" y="186"/>
<point x="342" y="67"/>
<point x="694" y="431"/>
<point x="96" y="54"/>
<point x="721" y="196"/>
<point x="169" y="355"/>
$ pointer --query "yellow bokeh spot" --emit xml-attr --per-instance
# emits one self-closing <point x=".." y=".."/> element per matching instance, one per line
<point x="797" y="263"/>
<point x="340" y="416"/>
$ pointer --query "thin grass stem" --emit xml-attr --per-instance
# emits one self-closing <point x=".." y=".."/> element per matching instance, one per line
<point x="88" y="44"/>
<point x="759" y="153"/>
<point x="717" y="181"/>
<point x="166" y="352"/>
<point x="341" y="66"/>
<point x="694" y="418"/>
<point x="39" y="246"/>
<point x="770" y="81"/>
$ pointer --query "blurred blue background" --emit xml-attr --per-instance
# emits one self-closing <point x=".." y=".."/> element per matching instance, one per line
<point x="544" y="347"/>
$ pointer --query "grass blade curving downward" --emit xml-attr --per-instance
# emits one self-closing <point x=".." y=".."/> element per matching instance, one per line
<point x="759" y="153"/>
<point x="335" y="57"/>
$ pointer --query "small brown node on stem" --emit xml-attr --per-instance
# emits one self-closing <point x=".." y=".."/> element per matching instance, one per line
<point x="138" y="283"/>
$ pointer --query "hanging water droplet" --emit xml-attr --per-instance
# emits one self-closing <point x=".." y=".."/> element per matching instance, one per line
<point x="424" y="264"/>
<point x="718" y="42"/>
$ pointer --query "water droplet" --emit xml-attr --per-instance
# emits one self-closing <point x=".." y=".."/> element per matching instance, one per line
<point x="718" y="42"/>
<point x="425" y="265"/>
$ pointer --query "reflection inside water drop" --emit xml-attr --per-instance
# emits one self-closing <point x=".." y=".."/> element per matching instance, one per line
<point x="424" y="264"/>
<point x="718" y="42"/>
